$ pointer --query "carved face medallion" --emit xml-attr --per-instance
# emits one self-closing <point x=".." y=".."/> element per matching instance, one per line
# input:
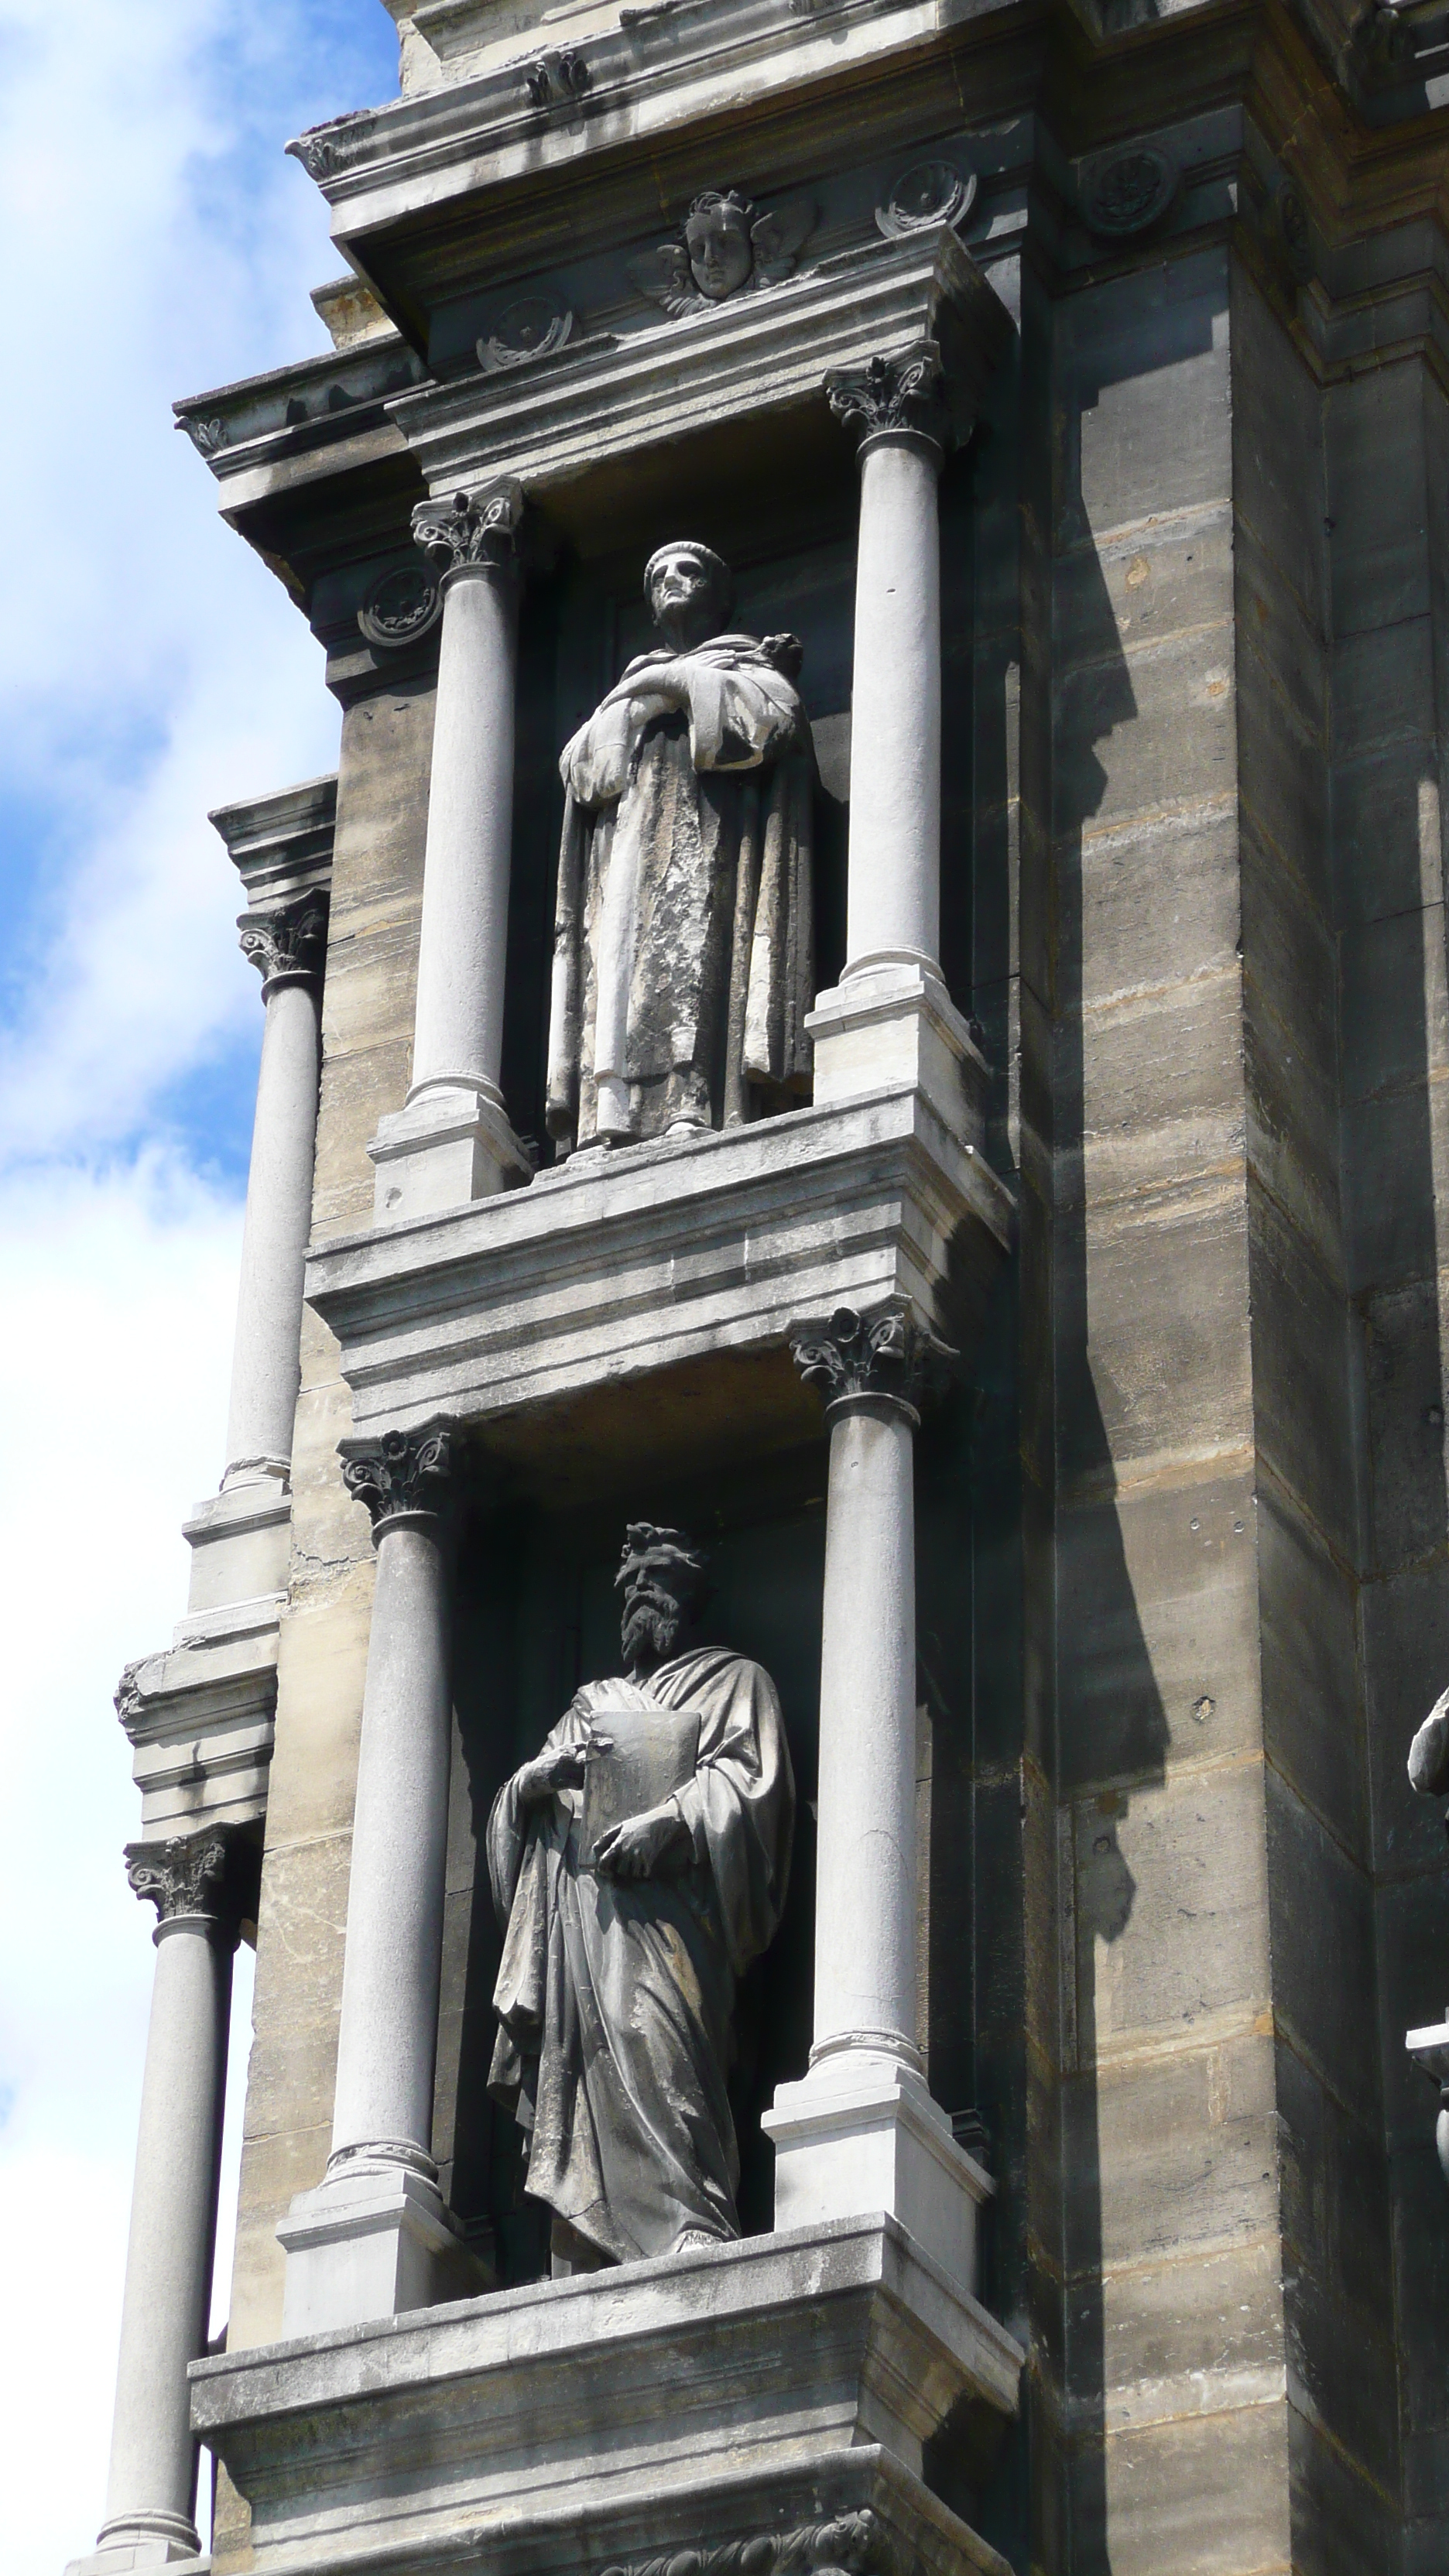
<point x="717" y="239"/>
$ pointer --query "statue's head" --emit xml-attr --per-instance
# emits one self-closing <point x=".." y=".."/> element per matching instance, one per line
<point x="662" y="1577"/>
<point x="688" y="589"/>
<point x="717" y="238"/>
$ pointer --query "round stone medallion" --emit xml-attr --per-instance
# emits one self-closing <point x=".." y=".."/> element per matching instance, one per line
<point x="400" y="607"/>
<point x="931" y="192"/>
<point x="1128" y="191"/>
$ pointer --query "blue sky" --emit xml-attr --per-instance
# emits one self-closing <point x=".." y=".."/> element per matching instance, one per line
<point x="150" y="668"/>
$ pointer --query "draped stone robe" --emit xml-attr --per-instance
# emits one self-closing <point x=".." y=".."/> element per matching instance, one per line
<point x="615" y="1997"/>
<point x="683" y="964"/>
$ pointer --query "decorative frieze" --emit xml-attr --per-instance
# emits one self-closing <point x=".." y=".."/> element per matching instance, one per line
<point x="724" y="248"/>
<point x="404" y="1471"/>
<point x="892" y="395"/>
<point x="289" y="945"/>
<point x="476" y="528"/>
<point x="855" y="2544"/>
<point x="889" y="1354"/>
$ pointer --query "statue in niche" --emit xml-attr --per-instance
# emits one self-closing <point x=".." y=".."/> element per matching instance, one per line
<point x="683" y="964"/>
<point x="638" y="1864"/>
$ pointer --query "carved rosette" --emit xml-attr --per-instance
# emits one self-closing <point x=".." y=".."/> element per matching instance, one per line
<point x="854" y="2544"/>
<point x="186" y="1875"/>
<point x="473" y="529"/>
<point x="888" y="1356"/>
<point x="289" y="945"/>
<point x="893" y="396"/>
<point x="403" y="1473"/>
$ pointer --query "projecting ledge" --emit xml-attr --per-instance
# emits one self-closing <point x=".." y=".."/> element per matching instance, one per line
<point x="693" y="1255"/>
<point x="736" y="2392"/>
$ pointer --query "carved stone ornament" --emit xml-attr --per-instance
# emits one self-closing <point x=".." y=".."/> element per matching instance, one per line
<point x="1290" y="223"/>
<point x="532" y="326"/>
<point x="401" y="606"/>
<point x="930" y="193"/>
<point x="184" y="1875"/>
<point x="128" y="1700"/>
<point x="317" y="153"/>
<point x="556" y="76"/>
<point x="205" y="435"/>
<point x="724" y="247"/>
<point x="1127" y="192"/>
<point x="288" y="946"/>
<point x="853" y="2545"/>
<point x="474" y="528"/>
<point x="404" y="1471"/>
<point x="889" y="1353"/>
<point x="902" y="393"/>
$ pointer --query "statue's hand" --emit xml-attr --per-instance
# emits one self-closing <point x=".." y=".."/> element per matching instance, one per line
<point x="636" y="1848"/>
<point x="563" y="1768"/>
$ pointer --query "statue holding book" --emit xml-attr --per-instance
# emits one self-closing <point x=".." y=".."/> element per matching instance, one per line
<point x="638" y="1864"/>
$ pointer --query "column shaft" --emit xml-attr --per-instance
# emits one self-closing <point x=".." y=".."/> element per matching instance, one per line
<point x="458" y="1036"/>
<point x="894" y="874"/>
<point x="388" y="2037"/>
<point x="266" y="1362"/>
<point x="151" y="2489"/>
<point x="865" y="1922"/>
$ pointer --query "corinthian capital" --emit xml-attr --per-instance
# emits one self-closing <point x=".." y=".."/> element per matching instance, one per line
<point x="185" y="1875"/>
<point x="476" y="528"/>
<point x="888" y="1354"/>
<point x="289" y="945"/>
<point x="902" y="393"/>
<point x="404" y="1471"/>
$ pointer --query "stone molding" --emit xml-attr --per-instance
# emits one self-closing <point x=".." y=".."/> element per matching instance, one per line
<point x="891" y="397"/>
<point x="405" y="1473"/>
<point x="287" y="945"/>
<point x="886" y="1356"/>
<point x="475" y="529"/>
<point x="185" y="1875"/>
<point x="281" y="845"/>
<point x="603" y="398"/>
<point x="854" y="2544"/>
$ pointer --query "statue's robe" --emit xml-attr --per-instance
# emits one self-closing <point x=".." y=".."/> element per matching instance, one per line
<point x="683" y="964"/>
<point x="615" y="1996"/>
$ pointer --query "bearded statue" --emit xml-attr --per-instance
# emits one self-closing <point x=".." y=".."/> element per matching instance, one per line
<point x="638" y="1864"/>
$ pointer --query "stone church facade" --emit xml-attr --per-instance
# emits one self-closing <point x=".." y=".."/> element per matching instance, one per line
<point x="999" y="1225"/>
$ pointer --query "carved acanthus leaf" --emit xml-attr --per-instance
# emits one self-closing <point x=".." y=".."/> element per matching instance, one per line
<point x="288" y="944"/>
<point x="854" y="2544"/>
<point x="128" y="1698"/>
<point x="905" y="392"/>
<point x="555" y="77"/>
<point x="184" y="1875"/>
<point x="475" y="528"/>
<point x="888" y="1352"/>
<point x="404" y="1471"/>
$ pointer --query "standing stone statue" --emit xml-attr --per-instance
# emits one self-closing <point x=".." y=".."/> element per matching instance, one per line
<point x="638" y="1864"/>
<point x="682" y="936"/>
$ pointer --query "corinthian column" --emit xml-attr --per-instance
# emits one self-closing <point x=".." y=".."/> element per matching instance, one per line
<point x="453" y="1143"/>
<point x="289" y="947"/>
<point x="861" y="2132"/>
<point x="374" y="2238"/>
<point x="197" y="1883"/>
<point x="895" y="406"/>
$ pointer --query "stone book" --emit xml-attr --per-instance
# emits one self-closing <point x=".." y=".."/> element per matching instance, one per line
<point x="655" y="1752"/>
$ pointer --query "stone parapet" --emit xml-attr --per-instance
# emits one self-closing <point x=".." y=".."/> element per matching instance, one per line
<point x="723" y="2393"/>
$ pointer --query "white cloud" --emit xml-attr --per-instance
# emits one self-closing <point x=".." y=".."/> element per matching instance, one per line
<point x="150" y="667"/>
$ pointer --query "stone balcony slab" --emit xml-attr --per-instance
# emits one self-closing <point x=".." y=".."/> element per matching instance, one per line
<point x="723" y="2393"/>
<point x="690" y="1255"/>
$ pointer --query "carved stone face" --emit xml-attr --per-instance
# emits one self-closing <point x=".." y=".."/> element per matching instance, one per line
<point x="683" y="596"/>
<point x="658" y="1589"/>
<point x="721" y="256"/>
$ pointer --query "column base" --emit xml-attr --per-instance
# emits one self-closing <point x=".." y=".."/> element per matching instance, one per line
<point x="444" y="1150"/>
<point x="131" y="2544"/>
<point x="891" y="1020"/>
<point x="860" y="2134"/>
<point x="372" y="2241"/>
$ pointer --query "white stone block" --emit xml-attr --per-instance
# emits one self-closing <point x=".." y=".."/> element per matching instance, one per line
<point x="371" y="2242"/>
<point x="861" y="2134"/>
<point x="897" y="1024"/>
<point x="443" y="1151"/>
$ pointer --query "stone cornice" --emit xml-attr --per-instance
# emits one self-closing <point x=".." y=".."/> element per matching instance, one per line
<point x="281" y="845"/>
<point x="612" y="398"/>
<point x="318" y="404"/>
